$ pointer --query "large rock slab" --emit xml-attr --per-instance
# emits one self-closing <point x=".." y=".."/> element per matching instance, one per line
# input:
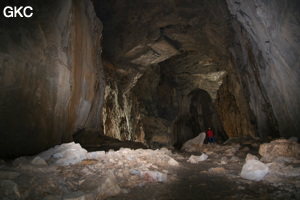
<point x="195" y="143"/>
<point x="279" y="149"/>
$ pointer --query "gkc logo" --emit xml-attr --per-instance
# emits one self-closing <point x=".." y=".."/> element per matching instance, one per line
<point x="15" y="11"/>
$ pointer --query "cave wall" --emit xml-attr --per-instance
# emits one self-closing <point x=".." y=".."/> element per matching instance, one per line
<point x="50" y="75"/>
<point x="267" y="59"/>
<point x="157" y="53"/>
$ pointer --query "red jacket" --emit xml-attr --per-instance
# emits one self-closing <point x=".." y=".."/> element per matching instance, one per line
<point x="210" y="133"/>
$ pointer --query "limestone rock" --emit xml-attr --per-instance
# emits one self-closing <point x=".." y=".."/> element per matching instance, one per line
<point x="197" y="159"/>
<point x="234" y="159"/>
<point x="279" y="148"/>
<point x="251" y="157"/>
<point x="96" y="154"/>
<point x="38" y="161"/>
<point x="217" y="170"/>
<point x="78" y="195"/>
<point x="254" y="170"/>
<point x="283" y="170"/>
<point x="153" y="176"/>
<point x="65" y="154"/>
<point x="173" y="162"/>
<point x="109" y="187"/>
<point x="8" y="175"/>
<point x="195" y="143"/>
<point x="224" y="160"/>
<point x="9" y="190"/>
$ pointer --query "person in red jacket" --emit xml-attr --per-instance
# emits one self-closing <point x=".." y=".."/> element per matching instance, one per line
<point x="210" y="136"/>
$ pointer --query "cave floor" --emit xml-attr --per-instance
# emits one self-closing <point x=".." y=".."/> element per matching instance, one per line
<point x="146" y="174"/>
<point x="211" y="180"/>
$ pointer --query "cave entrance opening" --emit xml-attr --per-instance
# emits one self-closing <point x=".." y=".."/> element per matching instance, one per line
<point x="197" y="115"/>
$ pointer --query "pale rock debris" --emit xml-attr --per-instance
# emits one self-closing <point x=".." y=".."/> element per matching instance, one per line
<point x="254" y="170"/>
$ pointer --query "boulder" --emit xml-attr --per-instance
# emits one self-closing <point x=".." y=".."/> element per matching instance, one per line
<point x="251" y="157"/>
<point x="38" y="161"/>
<point x="197" y="159"/>
<point x="153" y="176"/>
<point x="254" y="170"/>
<point x="195" y="143"/>
<point x="110" y="185"/>
<point x="280" y="169"/>
<point x="65" y="154"/>
<point x="224" y="160"/>
<point x="173" y="162"/>
<point x="9" y="190"/>
<point x="279" y="148"/>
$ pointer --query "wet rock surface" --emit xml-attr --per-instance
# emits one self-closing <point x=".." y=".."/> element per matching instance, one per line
<point x="147" y="174"/>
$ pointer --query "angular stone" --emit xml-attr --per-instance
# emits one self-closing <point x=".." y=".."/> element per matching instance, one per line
<point x="224" y="160"/>
<point x="254" y="170"/>
<point x="196" y="159"/>
<point x="173" y="162"/>
<point x="38" y="161"/>
<point x="109" y="186"/>
<point x="96" y="155"/>
<point x="251" y="157"/>
<point x="234" y="159"/>
<point x="195" y="143"/>
<point x="9" y="190"/>
<point x="153" y="176"/>
<point x="65" y="154"/>
<point x="279" y="148"/>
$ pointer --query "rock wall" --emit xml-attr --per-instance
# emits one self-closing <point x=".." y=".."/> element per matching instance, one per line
<point x="267" y="59"/>
<point x="50" y="75"/>
<point x="158" y="53"/>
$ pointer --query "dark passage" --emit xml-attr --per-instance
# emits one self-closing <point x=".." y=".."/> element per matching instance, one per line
<point x="197" y="115"/>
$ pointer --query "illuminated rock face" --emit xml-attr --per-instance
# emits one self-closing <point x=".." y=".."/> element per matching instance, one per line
<point x="50" y="76"/>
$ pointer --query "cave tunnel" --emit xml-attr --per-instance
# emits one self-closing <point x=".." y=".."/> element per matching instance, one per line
<point x="197" y="116"/>
<point x="95" y="75"/>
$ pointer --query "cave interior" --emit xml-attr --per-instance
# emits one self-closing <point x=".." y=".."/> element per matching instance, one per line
<point x="154" y="72"/>
<point x="150" y="74"/>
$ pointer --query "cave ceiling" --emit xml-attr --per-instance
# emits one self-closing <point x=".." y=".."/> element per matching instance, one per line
<point x="192" y="38"/>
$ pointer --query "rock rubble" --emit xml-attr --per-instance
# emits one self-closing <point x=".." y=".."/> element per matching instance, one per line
<point x="68" y="171"/>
